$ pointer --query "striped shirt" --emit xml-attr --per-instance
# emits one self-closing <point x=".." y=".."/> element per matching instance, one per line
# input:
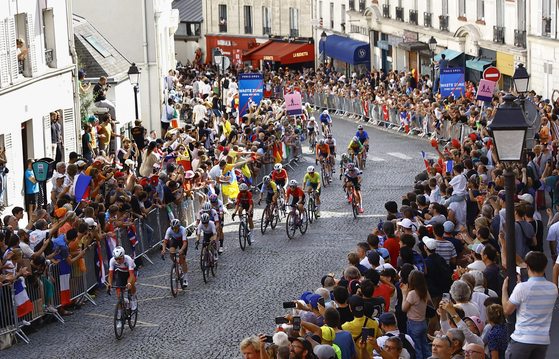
<point x="535" y="300"/>
<point x="446" y="250"/>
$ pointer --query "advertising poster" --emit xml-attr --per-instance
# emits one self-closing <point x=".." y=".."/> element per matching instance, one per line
<point x="251" y="89"/>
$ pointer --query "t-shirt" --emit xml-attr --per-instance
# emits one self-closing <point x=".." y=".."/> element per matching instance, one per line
<point x="30" y="187"/>
<point x="168" y="196"/>
<point x="138" y="136"/>
<point x="98" y="93"/>
<point x="522" y="232"/>
<point x="383" y="291"/>
<point x="374" y="307"/>
<point x="458" y="184"/>
<point x="106" y="129"/>
<point x="393" y="247"/>
<point x="459" y="209"/>
<point x="446" y="249"/>
<point x="345" y="314"/>
<point x="344" y="341"/>
<point x="86" y="139"/>
<point x="498" y="339"/>
<point x="416" y="312"/>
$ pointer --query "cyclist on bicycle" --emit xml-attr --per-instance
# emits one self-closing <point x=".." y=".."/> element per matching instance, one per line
<point x="355" y="148"/>
<point x="297" y="195"/>
<point x="279" y="175"/>
<point x="217" y="205"/>
<point x="331" y="142"/>
<point x="325" y="120"/>
<point x="122" y="267"/>
<point x="207" y="227"/>
<point x="176" y="234"/>
<point x="244" y="200"/>
<point x="323" y="153"/>
<point x="308" y="109"/>
<point x="208" y="208"/>
<point x="312" y="129"/>
<point x="363" y="136"/>
<point x="353" y="179"/>
<point x="313" y="184"/>
<point x="343" y="163"/>
<point x="270" y="188"/>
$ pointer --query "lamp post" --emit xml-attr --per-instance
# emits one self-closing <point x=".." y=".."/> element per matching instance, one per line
<point x="521" y="79"/>
<point x="432" y="46"/>
<point x="509" y="133"/>
<point x="134" y="76"/>
<point x="323" y="38"/>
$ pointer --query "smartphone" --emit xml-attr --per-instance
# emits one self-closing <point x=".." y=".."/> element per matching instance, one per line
<point x="281" y="320"/>
<point x="446" y="296"/>
<point x="289" y="305"/>
<point x="364" y="334"/>
<point x="523" y="274"/>
<point x="321" y="302"/>
<point x="269" y="339"/>
<point x="296" y="323"/>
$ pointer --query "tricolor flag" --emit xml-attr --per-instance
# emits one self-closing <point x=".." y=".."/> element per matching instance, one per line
<point x="23" y="303"/>
<point x="82" y="187"/>
<point x="132" y="238"/>
<point x="448" y="166"/>
<point x="100" y="265"/>
<point x="425" y="160"/>
<point x="65" y="269"/>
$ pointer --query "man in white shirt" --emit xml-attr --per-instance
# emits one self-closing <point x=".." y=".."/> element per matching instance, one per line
<point x="476" y="255"/>
<point x="199" y="111"/>
<point x="388" y="325"/>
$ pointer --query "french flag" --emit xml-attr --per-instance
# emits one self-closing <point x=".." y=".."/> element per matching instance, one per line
<point x="100" y="265"/>
<point x="132" y="239"/>
<point x="427" y="165"/>
<point x="23" y="303"/>
<point x="448" y="166"/>
<point x="65" y="269"/>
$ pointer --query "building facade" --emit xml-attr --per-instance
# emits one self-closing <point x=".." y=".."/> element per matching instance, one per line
<point x="44" y="81"/>
<point x="190" y="33"/>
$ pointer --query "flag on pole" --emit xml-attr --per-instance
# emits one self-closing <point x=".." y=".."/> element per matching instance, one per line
<point x="425" y="160"/>
<point x="102" y="272"/>
<point x="65" y="269"/>
<point x="82" y="187"/>
<point x="448" y="166"/>
<point x="132" y="237"/>
<point x="23" y="303"/>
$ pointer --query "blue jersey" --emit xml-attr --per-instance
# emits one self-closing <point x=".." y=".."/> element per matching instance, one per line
<point x="324" y="118"/>
<point x="362" y="136"/>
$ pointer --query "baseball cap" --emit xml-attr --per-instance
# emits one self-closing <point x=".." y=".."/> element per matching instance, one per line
<point x="328" y="283"/>
<point x="304" y="296"/>
<point x="373" y="257"/>
<point x="306" y="344"/>
<point x="448" y="227"/>
<point x="73" y="155"/>
<point x="154" y="180"/>
<point x="313" y="300"/>
<point x="478" y="247"/>
<point x="324" y="351"/>
<point x="503" y="196"/>
<point x="356" y="304"/>
<point x="526" y="197"/>
<point x="81" y="73"/>
<point x="328" y="333"/>
<point x="90" y="222"/>
<point x="406" y="223"/>
<point x="430" y="243"/>
<point x="308" y="317"/>
<point x="387" y="318"/>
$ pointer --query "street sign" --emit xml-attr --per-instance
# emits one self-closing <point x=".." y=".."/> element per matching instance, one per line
<point x="485" y="90"/>
<point x="492" y="74"/>
<point x="316" y="22"/>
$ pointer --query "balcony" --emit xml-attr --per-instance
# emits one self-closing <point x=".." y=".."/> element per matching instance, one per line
<point x="266" y="30"/>
<point x="49" y="56"/>
<point x="443" y="22"/>
<point x="427" y="19"/>
<point x="546" y="26"/>
<point x="361" y="5"/>
<point x="499" y="34"/>
<point x="413" y="17"/>
<point x="399" y="13"/>
<point x="223" y="28"/>
<point x="352" y="4"/>
<point x="294" y="32"/>
<point x="386" y="11"/>
<point x="520" y="38"/>
<point x="248" y="29"/>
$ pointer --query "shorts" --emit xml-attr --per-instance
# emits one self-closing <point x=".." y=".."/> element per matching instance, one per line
<point x="207" y="237"/>
<point x="32" y="198"/>
<point x="280" y="183"/>
<point x="174" y="243"/>
<point x="120" y="278"/>
<point x="165" y="125"/>
<point x="310" y="131"/>
<point x="246" y="206"/>
<point x="323" y="154"/>
<point x="325" y="122"/>
<point x="269" y="197"/>
<point x="216" y="112"/>
<point x="314" y="186"/>
<point x="294" y="200"/>
<point x="221" y="220"/>
<point x="355" y="183"/>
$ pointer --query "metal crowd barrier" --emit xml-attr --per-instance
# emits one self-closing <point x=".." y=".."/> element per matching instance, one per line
<point x="10" y="325"/>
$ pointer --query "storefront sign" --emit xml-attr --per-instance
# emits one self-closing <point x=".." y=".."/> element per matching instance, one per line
<point x="410" y="36"/>
<point x="237" y="57"/>
<point x="268" y="58"/>
<point x="485" y="90"/>
<point x="251" y="89"/>
<point x="293" y="104"/>
<point x="452" y="81"/>
<point x="394" y="40"/>
<point x="223" y="43"/>
<point x="300" y="54"/>
<point x="383" y="45"/>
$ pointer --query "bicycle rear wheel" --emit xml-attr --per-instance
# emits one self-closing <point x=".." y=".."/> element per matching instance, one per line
<point x="174" y="280"/>
<point x="242" y="235"/>
<point x="133" y="317"/>
<point x="290" y="226"/>
<point x="274" y="218"/>
<point x="204" y="264"/>
<point x="304" y="222"/>
<point x="119" y="331"/>
<point x="311" y="213"/>
<point x="214" y="265"/>
<point x="323" y="174"/>
<point x="355" y="206"/>
<point x="264" y="220"/>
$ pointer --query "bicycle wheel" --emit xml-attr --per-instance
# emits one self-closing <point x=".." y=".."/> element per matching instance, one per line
<point x="274" y="217"/>
<point x="117" y="320"/>
<point x="281" y="210"/>
<point x="174" y="280"/>
<point x="181" y="276"/>
<point x="304" y="222"/>
<point x="214" y="266"/>
<point x="355" y="206"/>
<point x="364" y="159"/>
<point x="242" y="235"/>
<point x="204" y="263"/>
<point x="133" y="317"/>
<point x="323" y="174"/>
<point x="290" y="226"/>
<point x="264" y="220"/>
<point x="310" y="209"/>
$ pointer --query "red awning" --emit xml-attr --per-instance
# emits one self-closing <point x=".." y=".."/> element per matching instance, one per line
<point x="284" y="52"/>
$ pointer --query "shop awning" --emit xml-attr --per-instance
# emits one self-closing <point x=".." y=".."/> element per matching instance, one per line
<point x="450" y="55"/>
<point x="347" y="50"/>
<point x="413" y="46"/>
<point x="477" y="64"/>
<point x="284" y="52"/>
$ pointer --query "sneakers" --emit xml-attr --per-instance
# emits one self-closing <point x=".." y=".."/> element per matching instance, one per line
<point x="317" y="214"/>
<point x="118" y="323"/>
<point x="134" y="304"/>
<point x="185" y="282"/>
<point x="360" y="209"/>
<point x="251" y="238"/>
<point x="51" y="309"/>
<point x="220" y="250"/>
<point x="350" y="198"/>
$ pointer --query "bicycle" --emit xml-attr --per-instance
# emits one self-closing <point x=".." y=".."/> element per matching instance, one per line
<point x="294" y="221"/>
<point x="281" y="204"/>
<point x="363" y="159"/>
<point x="268" y="217"/>
<point x="244" y="232"/>
<point x="354" y="201"/>
<point x="177" y="274"/>
<point x="127" y="314"/>
<point x="311" y="207"/>
<point x="207" y="260"/>
<point x="312" y="142"/>
<point x="324" y="172"/>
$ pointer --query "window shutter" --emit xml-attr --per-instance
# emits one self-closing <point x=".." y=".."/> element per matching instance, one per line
<point x="48" y="138"/>
<point x="10" y="178"/>
<point x="12" y="49"/>
<point x="32" y="55"/>
<point x="69" y="130"/>
<point x="4" y="59"/>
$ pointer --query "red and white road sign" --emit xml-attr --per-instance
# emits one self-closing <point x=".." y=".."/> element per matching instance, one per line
<point x="492" y="74"/>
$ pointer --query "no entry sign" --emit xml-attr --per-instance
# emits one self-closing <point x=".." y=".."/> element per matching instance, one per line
<point x="492" y="74"/>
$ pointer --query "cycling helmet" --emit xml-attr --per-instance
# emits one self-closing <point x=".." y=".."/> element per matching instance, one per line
<point x="307" y="104"/>
<point x="266" y="179"/>
<point x="277" y="166"/>
<point x="205" y="218"/>
<point x="321" y="142"/>
<point x="118" y="252"/>
<point x="360" y="127"/>
<point x="312" y="119"/>
<point x="175" y="223"/>
<point x="325" y="112"/>
<point x="310" y="169"/>
<point x="213" y="197"/>
<point x="330" y="135"/>
<point x="243" y="187"/>
<point x="344" y="156"/>
<point x="355" y="139"/>
<point x="293" y="183"/>
<point x="351" y="166"/>
<point x="207" y="206"/>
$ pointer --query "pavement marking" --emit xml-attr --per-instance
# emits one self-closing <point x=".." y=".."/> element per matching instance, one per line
<point x="144" y="324"/>
<point x="152" y="298"/>
<point x="375" y="159"/>
<point x="153" y="285"/>
<point x="399" y="155"/>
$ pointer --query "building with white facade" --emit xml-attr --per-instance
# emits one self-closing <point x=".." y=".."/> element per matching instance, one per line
<point x="143" y="31"/>
<point x="190" y="33"/>
<point x="45" y="81"/>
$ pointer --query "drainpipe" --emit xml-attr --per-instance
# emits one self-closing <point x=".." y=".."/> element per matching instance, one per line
<point x="156" y="16"/>
<point x="75" y="83"/>
<point x="146" y="59"/>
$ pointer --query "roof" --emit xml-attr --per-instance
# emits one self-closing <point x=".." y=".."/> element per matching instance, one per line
<point x="189" y="10"/>
<point x="96" y="55"/>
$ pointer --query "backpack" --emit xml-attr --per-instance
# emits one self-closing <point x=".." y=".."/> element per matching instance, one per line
<point x="226" y="83"/>
<point x="406" y="344"/>
<point x="418" y="262"/>
<point x="444" y="273"/>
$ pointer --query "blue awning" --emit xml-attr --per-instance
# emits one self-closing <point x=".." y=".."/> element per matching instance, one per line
<point x="347" y="50"/>
<point x="450" y="55"/>
<point x="477" y="64"/>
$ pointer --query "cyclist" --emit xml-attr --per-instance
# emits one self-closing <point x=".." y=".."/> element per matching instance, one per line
<point x="343" y="163"/>
<point x="271" y="190"/>
<point x="312" y="182"/>
<point x="353" y="179"/>
<point x="297" y="195"/>
<point x="176" y="234"/>
<point x="308" y="109"/>
<point x="363" y="136"/>
<point x="331" y="142"/>
<point x="207" y="208"/>
<point x="244" y="200"/>
<point x="325" y="119"/>
<point x="217" y="205"/>
<point x="207" y="227"/>
<point x="323" y="153"/>
<point x="279" y="175"/>
<point x="312" y="129"/>
<point x="355" y="148"/>
<point x="122" y="267"/>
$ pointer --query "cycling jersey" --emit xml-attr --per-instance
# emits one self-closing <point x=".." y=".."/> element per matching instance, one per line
<point x="311" y="125"/>
<point x="344" y="164"/>
<point x="356" y="173"/>
<point x="355" y="146"/>
<point x="180" y="235"/>
<point x="362" y="136"/>
<point x="218" y="207"/>
<point x="127" y="265"/>
<point x="213" y="214"/>
<point x="313" y="180"/>
<point x="323" y="149"/>
<point x="331" y="143"/>
<point x="270" y="188"/>
<point x="206" y="229"/>
<point x="279" y="175"/>
<point x="325" y="118"/>
<point x="297" y="192"/>
<point x="244" y="199"/>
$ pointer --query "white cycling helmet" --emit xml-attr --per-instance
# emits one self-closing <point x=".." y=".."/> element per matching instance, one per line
<point x="310" y="169"/>
<point x="118" y="252"/>
<point x="266" y="179"/>
<point x="325" y="112"/>
<point x="207" y="206"/>
<point x="243" y="187"/>
<point x="205" y="218"/>
<point x="312" y="119"/>
<point x="175" y="223"/>
<point x="278" y="166"/>
<point x="355" y="139"/>
<point x="344" y="156"/>
<point x="360" y="127"/>
<point x="293" y="183"/>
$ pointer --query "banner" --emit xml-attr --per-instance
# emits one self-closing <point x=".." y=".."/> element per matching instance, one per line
<point x="293" y="105"/>
<point x="485" y="90"/>
<point x="452" y="80"/>
<point x="251" y="89"/>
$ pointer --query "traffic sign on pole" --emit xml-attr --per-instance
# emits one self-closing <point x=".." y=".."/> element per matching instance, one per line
<point x="492" y="74"/>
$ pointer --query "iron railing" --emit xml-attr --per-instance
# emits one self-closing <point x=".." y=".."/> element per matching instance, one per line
<point x="49" y="56"/>
<point x="386" y="11"/>
<point x="443" y="22"/>
<point x="413" y="17"/>
<point x="499" y="34"/>
<point x="361" y="5"/>
<point x="294" y="32"/>
<point x="248" y="29"/>
<point x="223" y="28"/>
<point x="352" y="4"/>
<point x="520" y="38"/>
<point x="427" y="19"/>
<point x="266" y="30"/>
<point x="399" y="13"/>
<point x="546" y="26"/>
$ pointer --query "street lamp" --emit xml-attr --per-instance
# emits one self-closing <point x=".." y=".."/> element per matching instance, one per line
<point x="509" y="129"/>
<point x="432" y="46"/>
<point x="521" y="79"/>
<point x="323" y="38"/>
<point x="134" y="76"/>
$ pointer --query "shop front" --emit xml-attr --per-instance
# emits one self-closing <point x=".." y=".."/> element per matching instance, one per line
<point x="276" y="53"/>
<point x="231" y="46"/>
<point x="347" y="54"/>
<point x="505" y="63"/>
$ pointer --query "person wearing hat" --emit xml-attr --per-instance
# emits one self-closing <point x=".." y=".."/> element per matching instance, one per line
<point x="445" y="249"/>
<point x="357" y="307"/>
<point x="300" y="348"/>
<point x="388" y="325"/>
<point x="84" y="88"/>
<point x="129" y="150"/>
<point x="476" y="250"/>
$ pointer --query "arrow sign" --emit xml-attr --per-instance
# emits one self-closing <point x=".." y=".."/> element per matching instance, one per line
<point x="492" y="74"/>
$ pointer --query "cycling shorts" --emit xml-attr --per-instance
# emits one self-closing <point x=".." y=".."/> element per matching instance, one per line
<point x="323" y="154"/>
<point x="120" y="278"/>
<point x="246" y="206"/>
<point x="355" y="183"/>
<point x="314" y="186"/>
<point x="294" y="200"/>
<point x="269" y="197"/>
<point x="175" y="243"/>
<point x="280" y="183"/>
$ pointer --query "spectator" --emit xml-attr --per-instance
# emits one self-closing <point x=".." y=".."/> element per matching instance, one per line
<point x="461" y="293"/>
<point x="415" y="297"/>
<point x="56" y="136"/>
<point x="31" y="188"/>
<point x="100" y="96"/>
<point x="497" y="339"/>
<point x="250" y="347"/>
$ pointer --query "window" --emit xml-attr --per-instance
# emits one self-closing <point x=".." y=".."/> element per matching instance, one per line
<point x="427" y="6"/>
<point x="343" y="14"/>
<point x="48" y="37"/>
<point x="462" y="8"/>
<point x="546" y="17"/>
<point x="480" y="10"/>
<point x="320" y="10"/>
<point x="188" y="29"/>
<point x="331" y="15"/>
<point x="266" y="21"/>
<point x="248" y="19"/>
<point x="222" y="18"/>
<point x="445" y="7"/>
<point x="92" y="40"/>
<point x="521" y="13"/>
<point x="294" y="21"/>
<point x="500" y="12"/>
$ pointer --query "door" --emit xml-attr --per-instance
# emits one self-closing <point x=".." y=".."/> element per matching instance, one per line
<point x="413" y="60"/>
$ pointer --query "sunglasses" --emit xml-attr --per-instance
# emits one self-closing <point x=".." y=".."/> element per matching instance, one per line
<point x="442" y="336"/>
